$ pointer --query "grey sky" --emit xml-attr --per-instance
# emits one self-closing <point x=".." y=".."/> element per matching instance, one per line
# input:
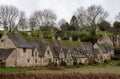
<point x="64" y="8"/>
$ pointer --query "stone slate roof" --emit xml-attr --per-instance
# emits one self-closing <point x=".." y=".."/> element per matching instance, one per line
<point x="34" y="43"/>
<point x="83" y="49"/>
<point x="87" y="48"/>
<point x="79" y="53"/>
<point x="19" y="40"/>
<point x="57" y="50"/>
<point x="5" y="53"/>
<point x="65" y="50"/>
<point x="96" y="52"/>
<point x="107" y="40"/>
<point x="104" y="47"/>
<point x="42" y="49"/>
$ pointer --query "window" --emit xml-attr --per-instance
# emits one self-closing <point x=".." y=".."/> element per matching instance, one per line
<point x="2" y="40"/>
<point x="28" y="60"/>
<point x="48" y="52"/>
<point x="24" y="50"/>
<point x="35" y="60"/>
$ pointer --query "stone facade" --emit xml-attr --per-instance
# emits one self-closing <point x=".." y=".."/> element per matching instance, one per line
<point x="31" y="53"/>
<point x="48" y="56"/>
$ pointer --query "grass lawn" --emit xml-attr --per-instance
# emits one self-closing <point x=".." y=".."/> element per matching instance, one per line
<point x="83" y="69"/>
<point x="107" y="68"/>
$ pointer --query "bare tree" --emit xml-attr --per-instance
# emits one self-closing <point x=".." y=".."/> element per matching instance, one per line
<point x="49" y="17"/>
<point x="11" y="17"/>
<point x="95" y="15"/>
<point x="8" y="15"/>
<point x="38" y="18"/>
<point x="62" y="21"/>
<point x="22" y="21"/>
<point x="117" y="17"/>
<point x="44" y="18"/>
<point x="32" y="23"/>
<point x="81" y="16"/>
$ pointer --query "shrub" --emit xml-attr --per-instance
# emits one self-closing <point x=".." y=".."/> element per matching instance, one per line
<point x="117" y="50"/>
<point x="106" y="61"/>
<point x="63" y="63"/>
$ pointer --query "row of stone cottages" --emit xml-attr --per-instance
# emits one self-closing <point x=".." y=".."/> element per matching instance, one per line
<point x="16" y="51"/>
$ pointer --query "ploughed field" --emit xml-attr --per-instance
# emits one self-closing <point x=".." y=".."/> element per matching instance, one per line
<point x="83" y="72"/>
<point x="59" y="76"/>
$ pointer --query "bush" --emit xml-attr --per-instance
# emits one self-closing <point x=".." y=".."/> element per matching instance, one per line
<point x="82" y="64"/>
<point x="75" y="63"/>
<point x="117" y="50"/>
<point x="115" y="58"/>
<point x="106" y="61"/>
<point x="63" y="63"/>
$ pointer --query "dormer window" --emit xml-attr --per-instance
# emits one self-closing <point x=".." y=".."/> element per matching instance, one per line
<point x="24" y="50"/>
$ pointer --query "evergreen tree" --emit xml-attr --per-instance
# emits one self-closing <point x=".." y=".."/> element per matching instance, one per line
<point x="74" y="26"/>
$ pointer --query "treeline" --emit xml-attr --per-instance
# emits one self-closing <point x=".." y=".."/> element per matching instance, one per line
<point x="91" y="19"/>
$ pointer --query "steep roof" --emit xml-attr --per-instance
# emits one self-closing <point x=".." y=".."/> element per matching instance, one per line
<point x="5" y="53"/>
<point x="106" y="39"/>
<point x="104" y="47"/>
<point x="42" y="49"/>
<point x="34" y="43"/>
<point x="83" y="49"/>
<point x="96" y="52"/>
<point x="19" y="40"/>
<point x="65" y="50"/>
<point x="57" y="49"/>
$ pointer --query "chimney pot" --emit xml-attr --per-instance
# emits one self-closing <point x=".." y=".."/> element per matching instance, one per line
<point x="5" y="29"/>
<point x="59" y="38"/>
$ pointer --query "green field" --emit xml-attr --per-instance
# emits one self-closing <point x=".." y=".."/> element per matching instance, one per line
<point x="82" y="69"/>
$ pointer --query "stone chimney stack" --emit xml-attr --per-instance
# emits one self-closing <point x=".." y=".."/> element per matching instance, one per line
<point x="117" y="41"/>
<point x="15" y="30"/>
<point x="79" y="40"/>
<point x="53" y="38"/>
<point x="40" y="36"/>
<point x="29" y="34"/>
<point x="5" y="29"/>
<point x="59" y="38"/>
<point x="70" y="38"/>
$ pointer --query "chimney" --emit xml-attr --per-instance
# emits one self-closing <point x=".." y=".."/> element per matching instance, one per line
<point x="5" y="29"/>
<point x="70" y="38"/>
<point x="40" y="36"/>
<point x="79" y="40"/>
<point x="53" y="38"/>
<point x="117" y="40"/>
<point x="15" y="30"/>
<point x="29" y="34"/>
<point x="59" y="38"/>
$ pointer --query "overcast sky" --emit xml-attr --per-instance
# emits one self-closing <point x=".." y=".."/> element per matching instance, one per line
<point x="64" y="8"/>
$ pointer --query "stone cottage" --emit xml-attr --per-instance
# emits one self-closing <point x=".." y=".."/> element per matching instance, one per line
<point x="22" y="50"/>
<point x="105" y="52"/>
